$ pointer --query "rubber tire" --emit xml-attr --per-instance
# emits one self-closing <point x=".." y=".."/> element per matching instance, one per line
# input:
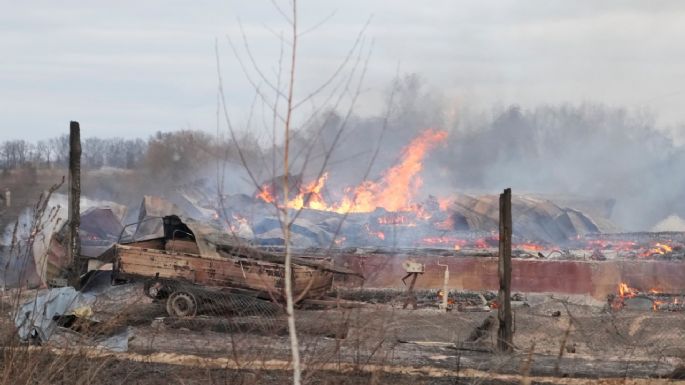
<point x="181" y="304"/>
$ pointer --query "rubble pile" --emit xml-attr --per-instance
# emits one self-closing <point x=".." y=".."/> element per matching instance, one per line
<point x="631" y="298"/>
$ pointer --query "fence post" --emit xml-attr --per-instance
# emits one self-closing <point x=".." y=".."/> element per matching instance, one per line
<point x="74" y="246"/>
<point x="505" y="336"/>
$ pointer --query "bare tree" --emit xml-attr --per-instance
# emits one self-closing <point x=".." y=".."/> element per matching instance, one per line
<point x="44" y="151"/>
<point x="279" y="98"/>
<point x="16" y="153"/>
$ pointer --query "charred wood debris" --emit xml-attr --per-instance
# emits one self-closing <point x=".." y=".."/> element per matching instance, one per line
<point x="221" y="270"/>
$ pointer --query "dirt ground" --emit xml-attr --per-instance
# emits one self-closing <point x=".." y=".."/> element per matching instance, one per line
<point x="555" y="338"/>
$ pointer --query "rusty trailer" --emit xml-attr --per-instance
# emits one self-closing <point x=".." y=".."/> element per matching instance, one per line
<point x="187" y="263"/>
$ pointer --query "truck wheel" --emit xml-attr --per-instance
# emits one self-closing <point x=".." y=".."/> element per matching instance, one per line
<point x="181" y="304"/>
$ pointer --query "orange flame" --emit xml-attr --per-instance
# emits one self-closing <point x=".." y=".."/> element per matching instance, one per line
<point x="310" y="195"/>
<point x="655" y="295"/>
<point x="265" y="194"/>
<point x="529" y="247"/>
<point x="656" y="304"/>
<point x="398" y="186"/>
<point x="659" y="248"/>
<point x="394" y="192"/>
<point x="626" y="291"/>
<point x="444" y="203"/>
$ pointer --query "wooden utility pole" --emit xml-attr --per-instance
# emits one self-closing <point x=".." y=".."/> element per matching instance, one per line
<point x="505" y="334"/>
<point x="74" y="244"/>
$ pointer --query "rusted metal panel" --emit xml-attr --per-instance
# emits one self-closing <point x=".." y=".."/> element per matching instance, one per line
<point x="223" y="272"/>
<point x="595" y="278"/>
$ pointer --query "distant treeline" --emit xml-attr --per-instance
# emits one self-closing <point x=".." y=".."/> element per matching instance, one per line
<point x="96" y="153"/>
<point x="170" y="154"/>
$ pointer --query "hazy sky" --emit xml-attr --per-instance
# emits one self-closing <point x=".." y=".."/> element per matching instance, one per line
<point x="130" y="68"/>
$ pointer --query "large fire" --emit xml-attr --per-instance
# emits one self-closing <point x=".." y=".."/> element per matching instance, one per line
<point x="395" y="191"/>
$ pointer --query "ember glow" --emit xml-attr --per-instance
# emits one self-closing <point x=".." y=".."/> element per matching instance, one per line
<point x="659" y="248"/>
<point x="237" y="224"/>
<point x="374" y="233"/>
<point x="395" y="191"/>
<point x="481" y="243"/>
<point x="599" y="244"/>
<point x="444" y="241"/>
<point x="626" y="291"/>
<point x="444" y="203"/>
<point x="396" y="220"/>
<point x="457" y="243"/>
<point x="529" y="247"/>
<point x="266" y="194"/>
<point x="660" y="300"/>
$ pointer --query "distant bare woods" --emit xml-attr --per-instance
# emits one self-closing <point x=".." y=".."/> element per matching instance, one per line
<point x="186" y="150"/>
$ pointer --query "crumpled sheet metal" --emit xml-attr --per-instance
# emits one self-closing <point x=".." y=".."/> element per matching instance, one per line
<point x="36" y="317"/>
<point x="117" y="342"/>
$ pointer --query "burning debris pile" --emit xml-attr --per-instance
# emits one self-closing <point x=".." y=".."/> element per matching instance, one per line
<point x="190" y="263"/>
<point x="649" y="246"/>
<point x="388" y="212"/>
<point x="631" y="298"/>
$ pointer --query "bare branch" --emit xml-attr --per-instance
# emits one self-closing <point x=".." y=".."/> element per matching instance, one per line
<point x="343" y="124"/>
<point x="254" y="64"/>
<point x="319" y="24"/>
<point x="278" y="35"/>
<point x="254" y="84"/>
<point x="275" y="109"/>
<point x="231" y="130"/>
<point x="345" y="82"/>
<point x="339" y="69"/>
<point x="384" y="127"/>
<point x="283" y="14"/>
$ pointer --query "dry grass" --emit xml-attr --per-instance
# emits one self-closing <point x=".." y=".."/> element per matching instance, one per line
<point x="159" y="353"/>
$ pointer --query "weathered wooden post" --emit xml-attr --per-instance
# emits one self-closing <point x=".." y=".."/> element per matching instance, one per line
<point x="74" y="243"/>
<point x="413" y="270"/>
<point x="505" y="336"/>
<point x="445" y="286"/>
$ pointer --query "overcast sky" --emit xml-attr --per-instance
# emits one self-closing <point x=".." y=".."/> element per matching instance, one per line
<point x="131" y="68"/>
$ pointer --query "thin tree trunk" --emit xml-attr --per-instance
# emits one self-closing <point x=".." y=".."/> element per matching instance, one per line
<point x="505" y="337"/>
<point x="290" y="306"/>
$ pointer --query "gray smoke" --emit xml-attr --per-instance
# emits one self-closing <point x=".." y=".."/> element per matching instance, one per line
<point x="588" y="150"/>
<point x="585" y="150"/>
